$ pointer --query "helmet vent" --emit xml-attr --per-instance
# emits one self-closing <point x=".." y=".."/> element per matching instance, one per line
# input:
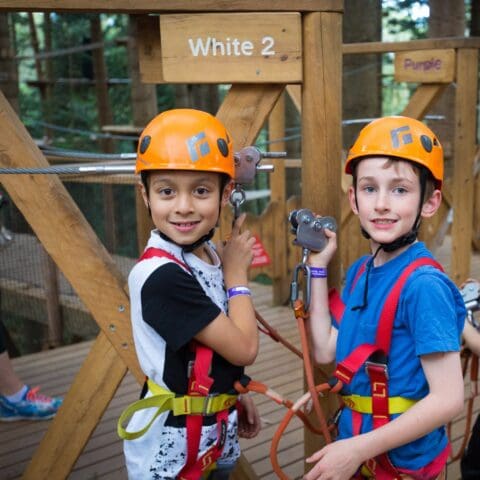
<point x="145" y="143"/>
<point x="426" y="143"/>
<point x="222" y="146"/>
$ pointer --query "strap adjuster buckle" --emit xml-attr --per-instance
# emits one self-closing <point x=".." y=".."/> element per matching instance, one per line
<point x="376" y="367"/>
<point x="206" y="410"/>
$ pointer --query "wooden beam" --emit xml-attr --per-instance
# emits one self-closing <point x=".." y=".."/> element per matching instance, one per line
<point x="157" y="6"/>
<point x="463" y="166"/>
<point x="66" y="235"/>
<point x="423" y="99"/>
<point x="295" y="92"/>
<point x="245" y="110"/>
<point x="322" y="139"/>
<point x="83" y="407"/>
<point x="425" y="44"/>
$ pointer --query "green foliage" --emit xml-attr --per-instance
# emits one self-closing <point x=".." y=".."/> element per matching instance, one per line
<point x="402" y="20"/>
<point x="405" y="19"/>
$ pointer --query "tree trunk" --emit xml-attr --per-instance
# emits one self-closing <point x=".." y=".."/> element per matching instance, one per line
<point x="475" y="18"/>
<point x="361" y="96"/>
<point x="447" y="19"/>
<point x="8" y="67"/>
<point x="201" y="97"/>
<point x="105" y="117"/>
<point x="144" y="108"/>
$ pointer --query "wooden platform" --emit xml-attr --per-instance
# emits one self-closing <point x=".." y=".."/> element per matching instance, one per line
<point x="103" y="458"/>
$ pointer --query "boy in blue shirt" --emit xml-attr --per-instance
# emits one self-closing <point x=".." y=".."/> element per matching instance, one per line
<point x="397" y="169"/>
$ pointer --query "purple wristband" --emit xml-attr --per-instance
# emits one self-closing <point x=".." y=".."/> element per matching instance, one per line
<point x="234" y="291"/>
<point x="318" y="272"/>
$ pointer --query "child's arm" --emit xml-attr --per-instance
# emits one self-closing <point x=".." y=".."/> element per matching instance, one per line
<point x="341" y="459"/>
<point x="235" y="337"/>
<point x="322" y="334"/>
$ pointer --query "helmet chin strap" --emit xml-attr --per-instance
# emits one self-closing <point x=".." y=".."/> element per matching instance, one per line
<point x="192" y="246"/>
<point x="409" y="237"/>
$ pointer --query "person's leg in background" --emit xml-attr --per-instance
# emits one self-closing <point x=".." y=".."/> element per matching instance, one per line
<point x="17" y="400"/>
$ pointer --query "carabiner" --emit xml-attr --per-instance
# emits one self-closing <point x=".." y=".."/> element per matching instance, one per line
<point x="237" y="198"/>
<point x="294" y="288"/>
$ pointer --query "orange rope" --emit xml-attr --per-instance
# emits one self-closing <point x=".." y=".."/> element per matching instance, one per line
<point x="301" y="316"/>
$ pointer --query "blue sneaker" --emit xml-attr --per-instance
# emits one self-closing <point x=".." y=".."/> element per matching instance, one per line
<point x="33" y="406"/>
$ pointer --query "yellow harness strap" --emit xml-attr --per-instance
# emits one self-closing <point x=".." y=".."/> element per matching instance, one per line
<point x="363" y="404"/>
<point x="163" y="400"/>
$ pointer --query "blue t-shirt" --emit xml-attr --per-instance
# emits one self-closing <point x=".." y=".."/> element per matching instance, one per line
<point x="429" y="319"/>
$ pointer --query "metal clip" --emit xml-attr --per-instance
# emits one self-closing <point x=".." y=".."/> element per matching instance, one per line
<point x="471" y="295"/>
<point x="294" y="286"/>
<point x="247" y="162"/>
<point x="206" y="404"/>
<point x="237" y="198"/>
<point x="376" y="365"/>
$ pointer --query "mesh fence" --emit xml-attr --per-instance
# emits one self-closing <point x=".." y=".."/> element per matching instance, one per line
<point x="39" y="308"/>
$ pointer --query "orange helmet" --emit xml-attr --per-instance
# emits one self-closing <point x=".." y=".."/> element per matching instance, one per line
<point x="185" y="139"/>
<point x="400" y="137"/>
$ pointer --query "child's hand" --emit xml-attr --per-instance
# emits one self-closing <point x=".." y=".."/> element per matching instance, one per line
<point x="249" y="423"/>
<point x="336" y="461"/>
<point x="322" y="259"/>
<point x="237" y="254"/>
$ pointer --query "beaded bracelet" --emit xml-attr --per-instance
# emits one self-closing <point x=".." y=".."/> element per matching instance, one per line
<point x="241" y="290"/>
<point x="318" y="272"/>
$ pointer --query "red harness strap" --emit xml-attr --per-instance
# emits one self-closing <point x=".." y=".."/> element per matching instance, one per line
<point x="337" y="307"/>
<point x="374" y="356"/>
<point x="199" y="384"/>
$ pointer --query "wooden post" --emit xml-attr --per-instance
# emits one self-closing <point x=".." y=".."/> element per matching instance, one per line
<point x="463" y="162"/>
<point x="54" y="315"/>
<point x="276" y="131"/>
<point x="105" y="117"/>
<point x="144" y="108"/>
<point x="321" y="135"/>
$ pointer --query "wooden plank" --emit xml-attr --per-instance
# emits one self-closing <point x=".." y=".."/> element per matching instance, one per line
<point x="424" y="44"/>
<point x="423" y="99"/>
<point x="231" y="48"/>
<point x="147" y="6"/>
<point x="425" y="66"/>
<point x="66" y="235"/>
<point x="321" y="135"/>
<point x="464" y="155"/>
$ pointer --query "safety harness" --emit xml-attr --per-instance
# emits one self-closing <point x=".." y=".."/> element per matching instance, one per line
<point x="375" y="358"/>
<point x="197" y="404"/>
